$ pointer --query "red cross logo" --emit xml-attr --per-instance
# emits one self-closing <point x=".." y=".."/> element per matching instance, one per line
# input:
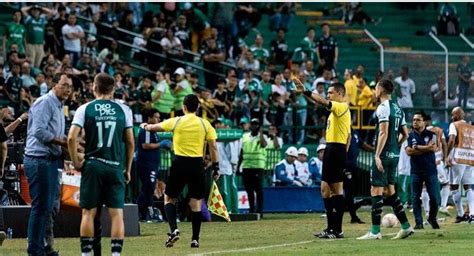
<point x="244" y="199"/>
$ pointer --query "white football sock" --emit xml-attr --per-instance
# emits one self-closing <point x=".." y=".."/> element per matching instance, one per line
<point x="444" y="196"/>
<point x="425" y="201"/>
<point x="457" y="201"/>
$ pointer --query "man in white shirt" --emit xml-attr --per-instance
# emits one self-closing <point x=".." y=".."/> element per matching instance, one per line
<point x="407" y="88"/>
<point x="72" y="35"/>
<point x="302" y="167"/>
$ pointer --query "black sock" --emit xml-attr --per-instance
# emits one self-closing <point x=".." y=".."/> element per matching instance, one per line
<point x="170" y="210"/>
<point x="377" y="204"/>
<point x="86" y="244"/>
<point x="196" y="220"/>
<point x="398" y="210"/>
<point x="116" y="245"/>
<point x="329" y="212"/>
<point x="338" y="204"/>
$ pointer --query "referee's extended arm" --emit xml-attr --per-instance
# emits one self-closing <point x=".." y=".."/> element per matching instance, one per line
<point x="152" y="127"/>
<point x="300" y="88"/>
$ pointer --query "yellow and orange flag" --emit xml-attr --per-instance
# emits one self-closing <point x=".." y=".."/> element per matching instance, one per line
<point x="215" y="204"/>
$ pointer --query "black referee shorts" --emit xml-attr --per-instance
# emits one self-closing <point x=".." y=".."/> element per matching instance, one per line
<point x="334" y="163"/>
<point x="186" y="171"/>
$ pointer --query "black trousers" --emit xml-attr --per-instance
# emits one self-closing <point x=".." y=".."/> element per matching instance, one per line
<point x="253" y="183"/>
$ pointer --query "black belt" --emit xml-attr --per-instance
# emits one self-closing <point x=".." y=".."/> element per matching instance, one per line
<point x="46" y="157"/>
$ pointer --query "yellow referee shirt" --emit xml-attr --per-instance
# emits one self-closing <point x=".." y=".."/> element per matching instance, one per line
<point x="189" y="134"/>
<point x="339" y="123"/>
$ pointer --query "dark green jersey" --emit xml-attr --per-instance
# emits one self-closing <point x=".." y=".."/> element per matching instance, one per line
<point x="389" y="111"/>
<point x="104" y="123"/>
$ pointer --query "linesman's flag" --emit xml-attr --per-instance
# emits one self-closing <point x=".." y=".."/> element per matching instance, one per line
<point x="216" y="204"/>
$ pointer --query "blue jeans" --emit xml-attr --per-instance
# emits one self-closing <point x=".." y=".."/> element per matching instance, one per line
<point x="43" y="182"/>
<point x="432" y="187"/>
<point x="301" y="119"/>
<point x="463" y="93"/>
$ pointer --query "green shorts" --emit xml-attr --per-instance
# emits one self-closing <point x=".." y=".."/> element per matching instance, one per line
<point x="388" y="176"/>
<point x="101" y="184"/>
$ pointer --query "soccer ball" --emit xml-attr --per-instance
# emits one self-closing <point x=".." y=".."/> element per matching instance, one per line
<point x="389" y="220"/>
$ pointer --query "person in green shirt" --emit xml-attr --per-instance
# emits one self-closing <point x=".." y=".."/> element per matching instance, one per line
<point x="266" y="85"/>
<point x="15" y="34"/>
<point x="35" y="23"/>
<point x="308" y="45"/>
<point x="260" y="53"/>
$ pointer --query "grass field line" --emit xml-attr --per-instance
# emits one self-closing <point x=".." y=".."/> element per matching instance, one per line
<point x="256" y="248"/>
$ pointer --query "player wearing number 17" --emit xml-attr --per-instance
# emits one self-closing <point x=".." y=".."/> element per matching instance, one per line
<point x="107" y="125"/>
<point x="338" y="137"/>
<point x="391" y="132"/>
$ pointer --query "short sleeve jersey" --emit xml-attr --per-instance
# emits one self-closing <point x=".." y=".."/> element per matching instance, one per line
<point x="389" y="111"/>
<point x="104" y="123"/>
<point x="189" y="134"/>
<point x="338" y="126"/>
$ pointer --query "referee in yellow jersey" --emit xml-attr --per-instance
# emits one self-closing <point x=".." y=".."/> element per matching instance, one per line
<point x="338" y="137"/>
<point x="189" y="136"/>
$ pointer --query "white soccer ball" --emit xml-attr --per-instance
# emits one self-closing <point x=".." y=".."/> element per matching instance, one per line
<point x="389" y="220"/>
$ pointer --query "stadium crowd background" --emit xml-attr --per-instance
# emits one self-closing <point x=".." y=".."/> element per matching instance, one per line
<point x="241" y="77"/>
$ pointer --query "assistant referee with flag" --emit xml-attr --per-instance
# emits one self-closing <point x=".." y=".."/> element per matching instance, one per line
<point x="189" y="136"/>
<point x="338" y="137"/>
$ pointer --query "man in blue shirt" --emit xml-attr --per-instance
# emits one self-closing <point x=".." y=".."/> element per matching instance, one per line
<point x="148" y="162"/>
<point x="422" y="144"/>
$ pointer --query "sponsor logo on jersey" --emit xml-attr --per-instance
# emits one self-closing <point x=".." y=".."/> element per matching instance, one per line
<point x="105" y="109"/>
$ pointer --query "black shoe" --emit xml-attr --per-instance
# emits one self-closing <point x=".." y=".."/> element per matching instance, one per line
<point x="434" y="223"/>
<point x="460" y="219"/>
<point x="471" y="219"/>
<point x="333" y="235"/>
<point x="194" y="244"/>
<point x="172" y="238"/>
<point x="321" y="233"/>
<point x="419" y="226"/>
<point x="356" y="220"/>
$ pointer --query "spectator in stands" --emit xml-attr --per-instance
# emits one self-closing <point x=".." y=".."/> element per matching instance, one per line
<point x="222" y="19"/>
<point x="448" y="21"/>
<point x="162" y="97"/>
<point x="355" y="14"/>
<point x="220" y="98"/>
<point x="365" y="96"/>
<point x="181" y="90"/>
<point x="145" y="98"/>
<point x="438" y="97"/>
<point x="259" y="53"/>
<point x="407" y="88"/>
<point x="279" y="48"/>
<point x="266" y="85"/>
<point x="42" y="85"/>
<point x="277" y="109"/>
<point x="15" y="33"/>
<point x="248" y="62"/>
<point x="35" y="24"/>
<point x="91" y="49"/>
<point x="301" y="105"/>
<point x="173" y="48"/>
<point x="13" y="85"/>
<point x="86" y="63"/>
<point x="27" y="79"/>
<point x="464" y="71"/>
<point x="309" y="71"/>
<point x="285" y="171"/>
<point x="279" y="88"/>
<point x="326" y="48"/>
<point x="182" y="31"/>
<point x="212" y="55"/>
<point x="199" y="24"/>
<point x="281" y="15"/>
<point x="287" y="81"/>
<point x="326" y="78"/>
<point x="308" y="45"/>
<point x="246" y="17"/>
<point x="139" y="41"/>
<point x="113" y="49"/>
<point x="302" y="167"/>
<point x="72" y="35"/>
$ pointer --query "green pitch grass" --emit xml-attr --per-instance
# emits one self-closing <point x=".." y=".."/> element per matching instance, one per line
<point x="280" y="234"/>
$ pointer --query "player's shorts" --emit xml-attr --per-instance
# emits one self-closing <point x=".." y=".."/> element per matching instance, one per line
<point x="443" y="177"/>
<point x="389" y="174"/>
<point x="461" y="174"/>
<point x="186" y="171"/>
<point x="101" y="183"/>
<point x="334" y="163"/>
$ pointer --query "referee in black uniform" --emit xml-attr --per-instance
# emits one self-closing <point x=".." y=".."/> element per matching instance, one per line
<point x="189" y="136"/>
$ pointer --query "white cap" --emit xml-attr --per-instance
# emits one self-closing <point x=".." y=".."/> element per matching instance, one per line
<point x="292" y="151"/>
<point x="303" y="151"/>
<point x="321" y="147"/>
<point x="180" y="71"/>
<point x="188" y="6"/>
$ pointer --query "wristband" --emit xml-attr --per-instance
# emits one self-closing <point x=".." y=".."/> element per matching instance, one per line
<point x="21" y="120"/>
<point x="308" y="93"/>
<point x="215" y="168"/>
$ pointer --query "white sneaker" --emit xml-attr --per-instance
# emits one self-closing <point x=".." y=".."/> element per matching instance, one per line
<point x="370" y="236"/>
<point x="444" y="210"/>
<point x="404" y="233"/>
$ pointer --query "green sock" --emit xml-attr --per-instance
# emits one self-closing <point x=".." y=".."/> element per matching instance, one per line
<point x="377" y="204"/>
<point x="405" y="225"/>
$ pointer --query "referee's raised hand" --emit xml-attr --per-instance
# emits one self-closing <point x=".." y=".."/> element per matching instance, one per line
<point x="299" y="86"/>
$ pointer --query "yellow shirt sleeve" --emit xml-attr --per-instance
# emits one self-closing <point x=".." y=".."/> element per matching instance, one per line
<point x="339" y="108"/>
<point x="168" y="124"/>
<point x="211" y="132"/>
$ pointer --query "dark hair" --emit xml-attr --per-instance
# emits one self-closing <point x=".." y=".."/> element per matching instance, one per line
<point x="191" y="102"/>
<point x="422" y="114"/>
<point x="104" y="83"/>
<point x="309" y="29"/>
<point x="324" y="24"/>
<point x="17" y="10"/>
<point x="221" y="81"/>
<point x="149" y="112"/>
<point x="387" y="85"/>
<point x="427" y="117"/>
<point x="339" y="88"/>
<point x="57" y="77"/>
<point x="405" y="68"/>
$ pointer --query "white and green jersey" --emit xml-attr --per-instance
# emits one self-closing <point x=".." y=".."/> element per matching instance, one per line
<point x="389" y="111"/>
<point x="35" y="29"/>
<point x="104" y="123"/>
